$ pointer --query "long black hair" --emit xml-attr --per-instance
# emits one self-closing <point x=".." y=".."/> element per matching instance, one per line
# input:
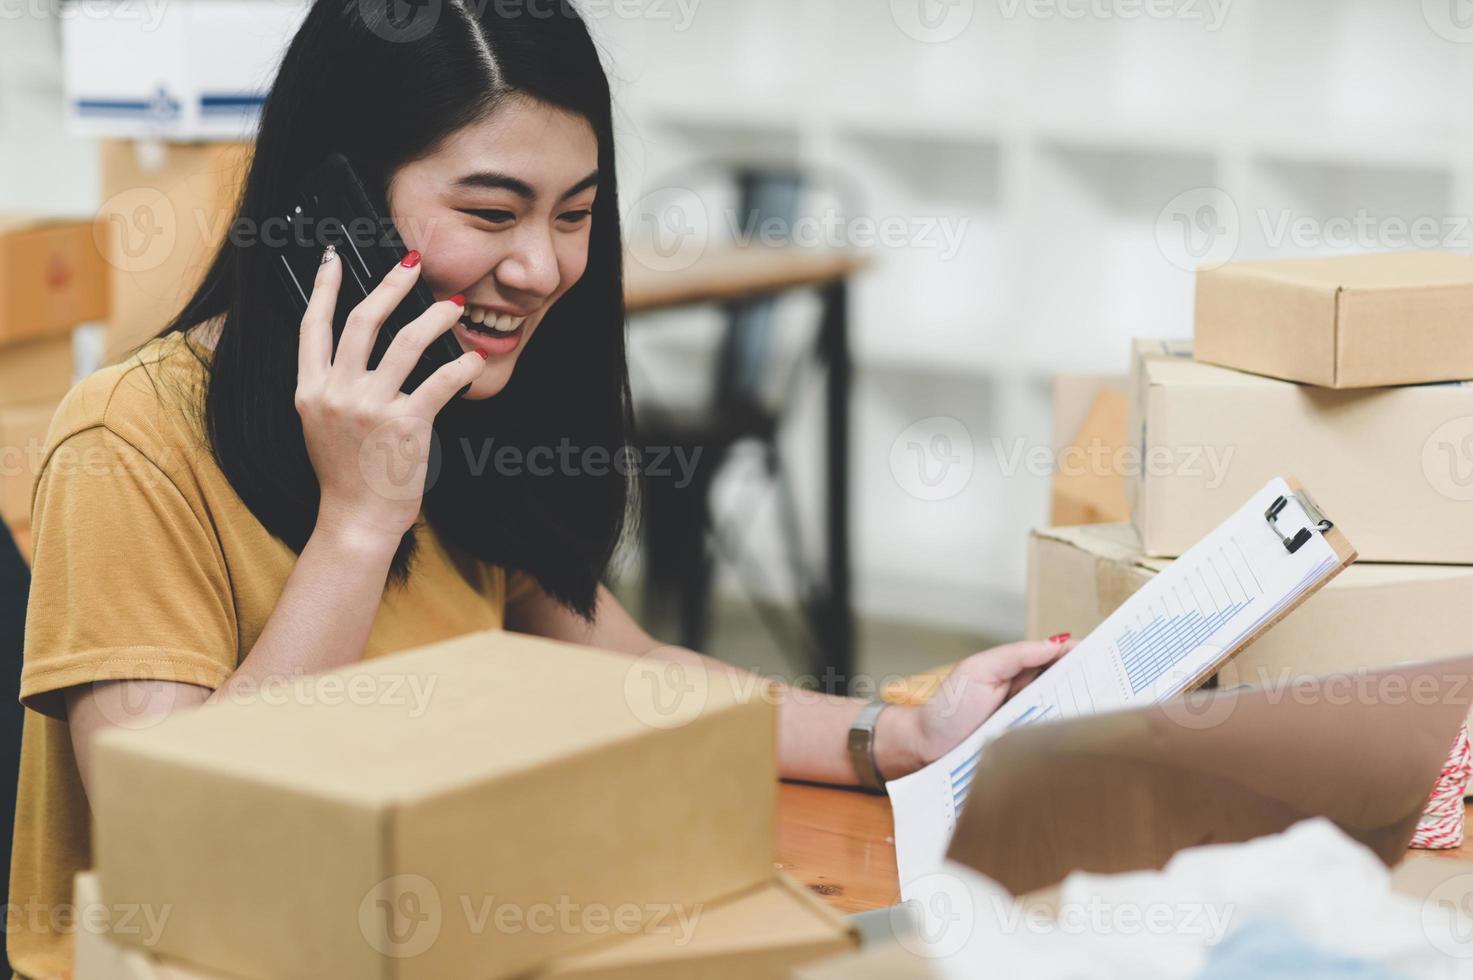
<point x="384" y="88"/>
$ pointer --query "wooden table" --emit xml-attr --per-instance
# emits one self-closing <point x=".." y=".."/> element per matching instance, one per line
<point x="841" y="844"/>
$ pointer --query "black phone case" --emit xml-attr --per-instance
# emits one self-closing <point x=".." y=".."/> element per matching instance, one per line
<point x="333" y="208"/>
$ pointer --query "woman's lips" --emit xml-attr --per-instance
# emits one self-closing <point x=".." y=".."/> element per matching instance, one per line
<point x="499" y="343"/>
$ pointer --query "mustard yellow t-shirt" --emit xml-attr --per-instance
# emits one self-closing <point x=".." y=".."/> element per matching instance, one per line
<point x="146" y="565"/>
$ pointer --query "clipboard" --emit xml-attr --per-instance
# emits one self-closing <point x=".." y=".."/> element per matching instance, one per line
<point x="1293" y="538"/>
<point x="1166" y="640"/>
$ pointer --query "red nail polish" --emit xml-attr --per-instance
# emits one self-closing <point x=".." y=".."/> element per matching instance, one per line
<point x="483" y="354"/>
<point x="411" y="260"/>
<point x="1060" y="638"/>
<point x="458" y="299"/>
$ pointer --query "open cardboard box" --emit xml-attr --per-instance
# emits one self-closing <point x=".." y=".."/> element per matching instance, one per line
<point x="759" y="934"/>
<point x="364" y="822"/>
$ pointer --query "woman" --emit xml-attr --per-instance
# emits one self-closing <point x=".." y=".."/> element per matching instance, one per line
<point x="233" y="504"/>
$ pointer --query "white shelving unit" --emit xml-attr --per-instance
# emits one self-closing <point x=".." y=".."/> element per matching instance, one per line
<point x="1062" y="144"/>
<point x="1076" y="153"/>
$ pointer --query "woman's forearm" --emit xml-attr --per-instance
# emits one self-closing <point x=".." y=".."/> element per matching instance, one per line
<point x="813" y="728"/>
<point x="325" y="613"/>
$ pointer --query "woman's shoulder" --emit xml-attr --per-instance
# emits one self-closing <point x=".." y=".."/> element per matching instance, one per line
<point x="152" y="400"/>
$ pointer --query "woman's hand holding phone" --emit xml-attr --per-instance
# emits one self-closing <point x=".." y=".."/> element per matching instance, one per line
<point x="369" y="443"/>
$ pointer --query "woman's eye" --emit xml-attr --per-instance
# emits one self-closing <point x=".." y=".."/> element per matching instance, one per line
<point x="496" y="217"/>
<point x="573" y="217"/>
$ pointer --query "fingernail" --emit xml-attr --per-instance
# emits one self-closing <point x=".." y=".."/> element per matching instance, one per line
<point x="1060" y="638"/>
<point x="483" y="354"/>
<point x="411" y="260"/>
<point x="328" y="254"/>
<point x="458" y="299"/>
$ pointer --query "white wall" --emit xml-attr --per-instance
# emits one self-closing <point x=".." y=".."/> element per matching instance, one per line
<point x="1081" y="155"/>
<point x="1096" y="150"/>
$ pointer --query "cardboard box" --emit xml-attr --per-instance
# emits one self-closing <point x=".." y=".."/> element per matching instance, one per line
<point x="1088" y="486"/>
<point x="186" y="71"/>
<point x="1368" y="617"/>
<point x="348" y="826"/>
<point x="166" y="208"/>
<point x="52" y="277"/>
<point x="758" y="935"/>
<point x="1351" y="321"/>
<point x="44" y="370"/>
<point x="22" y="440"/>
<point x="1392" y="466"/>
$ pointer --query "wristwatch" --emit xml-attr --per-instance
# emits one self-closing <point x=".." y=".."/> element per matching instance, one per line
<point x="862" y="746"/>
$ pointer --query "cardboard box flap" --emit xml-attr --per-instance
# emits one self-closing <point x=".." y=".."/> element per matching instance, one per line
<point x="783" y="914"/>
<point x="385" y="754"/>
<point x="1374" y="271"/>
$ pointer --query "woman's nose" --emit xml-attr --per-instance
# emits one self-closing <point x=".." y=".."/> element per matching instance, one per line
<point x="531" y="267"/>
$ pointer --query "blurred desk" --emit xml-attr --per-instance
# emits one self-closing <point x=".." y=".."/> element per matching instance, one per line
<point x="841" y="844"/>
<point x="734" y="274"/>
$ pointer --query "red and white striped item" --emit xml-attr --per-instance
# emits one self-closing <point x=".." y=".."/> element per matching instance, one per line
<point x="1441" y="826"/>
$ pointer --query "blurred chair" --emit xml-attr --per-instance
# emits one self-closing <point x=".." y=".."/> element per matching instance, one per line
<point x="682" y="537"/>
<point x="15" y="587"/>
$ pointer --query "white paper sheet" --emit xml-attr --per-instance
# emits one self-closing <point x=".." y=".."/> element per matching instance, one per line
<point x="1206" y="602"/>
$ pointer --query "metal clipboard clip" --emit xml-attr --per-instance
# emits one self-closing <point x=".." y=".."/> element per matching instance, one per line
<point x="1321" y="523"/>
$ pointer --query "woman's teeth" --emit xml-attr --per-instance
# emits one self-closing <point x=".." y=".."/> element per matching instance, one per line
<point x="482" y="320"/>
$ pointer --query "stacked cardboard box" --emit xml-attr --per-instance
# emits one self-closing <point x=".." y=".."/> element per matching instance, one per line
<point x="1343" y="372"/>
<point x="495" y="805"/>
<point x="53" y="283"/>
<point x="166" y="208"/>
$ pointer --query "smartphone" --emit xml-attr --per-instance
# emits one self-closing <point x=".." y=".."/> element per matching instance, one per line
<point x="333" y="207"/>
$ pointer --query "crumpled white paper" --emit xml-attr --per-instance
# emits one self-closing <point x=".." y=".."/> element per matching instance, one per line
<point x="1162" y="925"/>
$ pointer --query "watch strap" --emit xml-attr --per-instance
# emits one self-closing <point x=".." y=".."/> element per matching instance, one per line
<point x="862" y="746"/>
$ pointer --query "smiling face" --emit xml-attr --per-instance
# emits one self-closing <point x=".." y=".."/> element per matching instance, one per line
<point x="501" y="214"/>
